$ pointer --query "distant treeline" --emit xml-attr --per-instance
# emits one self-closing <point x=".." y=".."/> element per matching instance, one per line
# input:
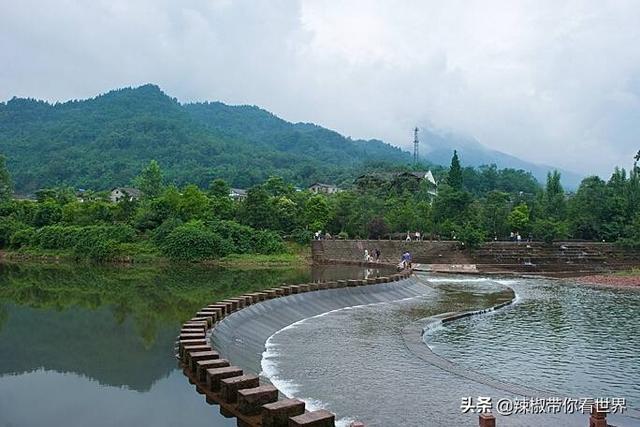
<point x="193" y="223"/>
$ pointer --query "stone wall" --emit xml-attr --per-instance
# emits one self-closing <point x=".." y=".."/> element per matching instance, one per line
<point x="500" y="257"/>
<point x="390" y="251"/>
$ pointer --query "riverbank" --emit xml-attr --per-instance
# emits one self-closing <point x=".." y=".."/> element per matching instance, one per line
<point x="296" y="256"/>
<point x="622" y="279"/>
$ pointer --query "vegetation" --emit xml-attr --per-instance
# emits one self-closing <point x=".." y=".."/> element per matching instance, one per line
<point x="192" y="224"/>
<point x="103" y="142"/>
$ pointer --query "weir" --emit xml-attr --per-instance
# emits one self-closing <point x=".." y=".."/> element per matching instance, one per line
<point x="241" y="337"/>
<point x="239" y="393"/>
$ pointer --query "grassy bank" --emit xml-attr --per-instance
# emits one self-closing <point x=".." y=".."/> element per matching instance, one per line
<point x="145" y="253"/>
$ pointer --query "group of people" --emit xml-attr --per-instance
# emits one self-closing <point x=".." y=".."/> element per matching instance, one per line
<point x="516" y="237"/>
<point x="416" y="235"/>
<point x="374" y="256"/>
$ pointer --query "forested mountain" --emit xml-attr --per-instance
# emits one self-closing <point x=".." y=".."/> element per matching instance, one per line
<point x="105" y="141"/>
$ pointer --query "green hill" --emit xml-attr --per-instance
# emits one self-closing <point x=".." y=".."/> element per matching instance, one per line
<point x="104" y="142"/>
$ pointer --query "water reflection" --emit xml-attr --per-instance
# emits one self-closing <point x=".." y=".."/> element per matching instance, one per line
<point x="93" y="345"/>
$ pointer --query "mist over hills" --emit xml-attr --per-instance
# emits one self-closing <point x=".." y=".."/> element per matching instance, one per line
<point x="438" y="148"/>
<point x="104" y="142"/>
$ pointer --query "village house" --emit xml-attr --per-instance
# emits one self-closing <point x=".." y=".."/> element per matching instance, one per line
<point x="319" y="188"/>
<point x="124" y="193"/>
<point x="238" y="194"/>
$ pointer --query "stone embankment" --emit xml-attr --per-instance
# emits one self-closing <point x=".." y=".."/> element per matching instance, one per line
<point x="241" y="394"/>
<point x="558" y="259"/>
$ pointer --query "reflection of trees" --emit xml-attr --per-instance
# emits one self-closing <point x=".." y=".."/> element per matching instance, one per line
<point x="4" y="316"/>
<point x="115" y="325"/>
<point x="150" y="295"/>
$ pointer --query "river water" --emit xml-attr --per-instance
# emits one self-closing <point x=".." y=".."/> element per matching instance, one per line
<point x="558" y="339"/>
<point x="82" y="345"/>
<point x="94" y="346"/>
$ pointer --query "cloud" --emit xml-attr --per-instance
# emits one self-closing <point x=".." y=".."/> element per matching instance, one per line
<point x="548" y="82"/>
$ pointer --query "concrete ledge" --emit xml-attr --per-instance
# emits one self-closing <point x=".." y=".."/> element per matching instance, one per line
<point x="250" y="400"/>
<point x="321" y="418"/>
<point x="229" y="387"/>
<point x="277" y="414"/>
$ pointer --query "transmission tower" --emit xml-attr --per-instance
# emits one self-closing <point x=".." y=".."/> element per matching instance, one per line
<point x="416" y="149"/>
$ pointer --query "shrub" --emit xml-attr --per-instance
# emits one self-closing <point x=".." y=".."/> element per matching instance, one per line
<point x="268" y="242"/>
<point x="549" y="230"/>
<point x="9" y="226"/>
<point x="193" y="242"/>
<point x="302" y="235"/>
<point x="472" y="236"/>
<point x="93" y="248"/>
<point x="240" y="236"/>
<point x="161" y="233"/>
<point x="343" y="235"/>
<point x="22" y="238"/>
<point x="66" y="237"/>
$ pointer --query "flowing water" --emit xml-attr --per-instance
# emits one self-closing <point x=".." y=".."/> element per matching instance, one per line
<point x="81" y="345"/>
<point x="561" y="339"/>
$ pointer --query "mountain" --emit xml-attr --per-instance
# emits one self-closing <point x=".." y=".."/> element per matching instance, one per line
<point x="105" y="141"/>
<point x="436" y="147"/>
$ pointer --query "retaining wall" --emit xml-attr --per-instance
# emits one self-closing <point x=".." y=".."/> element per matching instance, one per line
<point x="228" y="334"/>
<point x="499" y="257"/>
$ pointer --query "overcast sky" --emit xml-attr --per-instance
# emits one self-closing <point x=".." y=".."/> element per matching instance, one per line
<point x="548" y="81"/>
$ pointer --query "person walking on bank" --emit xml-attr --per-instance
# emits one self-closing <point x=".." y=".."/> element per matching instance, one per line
<point x="377" y="252"/>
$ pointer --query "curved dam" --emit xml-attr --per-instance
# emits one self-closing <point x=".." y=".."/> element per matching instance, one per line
<point x="241" y="337"/>
<point x="368" y="361"/>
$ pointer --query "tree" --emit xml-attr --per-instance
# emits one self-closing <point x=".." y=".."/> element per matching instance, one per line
<point x="519" y="217"/>
<point x="150" y="180"/>
<point x="377" y="228"/>
<point x="587" y="209"/>
<point x="554" y="199"/>
<point x="495" y="210"/>
<point x="6" y="186"/>
<point x="219" y="188"/>
<point x="454" y="178"/>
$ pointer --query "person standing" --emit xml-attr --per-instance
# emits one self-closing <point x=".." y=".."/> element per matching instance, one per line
<point x="377" y="252"/>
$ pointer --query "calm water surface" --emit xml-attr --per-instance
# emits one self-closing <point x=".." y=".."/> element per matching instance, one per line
<point x="94" y="346"/>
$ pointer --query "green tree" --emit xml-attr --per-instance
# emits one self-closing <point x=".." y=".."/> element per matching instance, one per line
<point x="587" y="209"/>
<point x="554" y="201"/>
<point x="6" y="185"/>
<point x="454" y="179"/>
<point x="495" y="210"/>
<point x="150" y="180"/>
<point x="519" y="218"/>
<point x="219" y="188"/>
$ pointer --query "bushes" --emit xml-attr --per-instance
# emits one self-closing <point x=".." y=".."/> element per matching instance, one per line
<point x="22" y="238"/>
<point x="8" y="227"/>
<point x="194" y="242"/>
<point x="66" y="237"/>
<point x="197" y="241"/>
<point x="549" y="230"/>
<point x="267" y="242"/>
<point x="240" y="236"/>
<point x="93" y="248"/>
